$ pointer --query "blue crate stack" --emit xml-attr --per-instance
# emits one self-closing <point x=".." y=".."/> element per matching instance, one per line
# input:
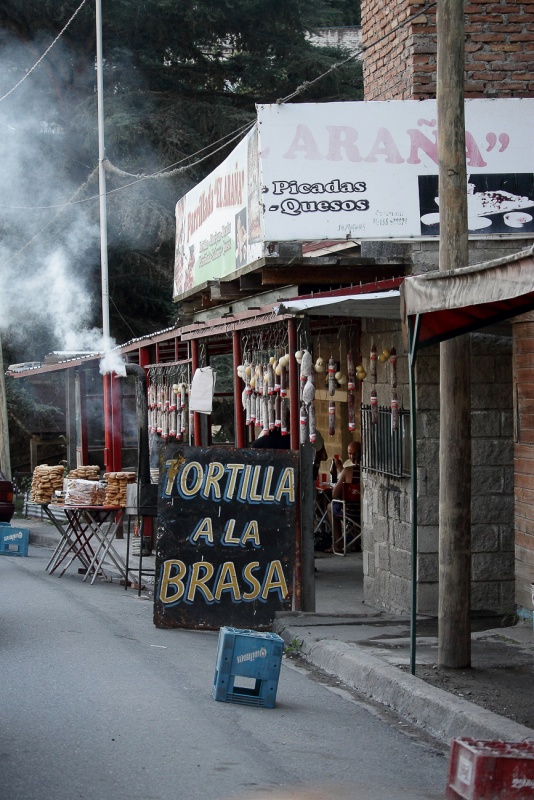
<point x="13" y="541"/>
<point x="249" y="655"/>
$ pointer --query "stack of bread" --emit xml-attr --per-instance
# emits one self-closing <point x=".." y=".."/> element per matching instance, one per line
<point x="45" y="481"/>
<point x="116" y="487"/>
<point x="89" y="473"/>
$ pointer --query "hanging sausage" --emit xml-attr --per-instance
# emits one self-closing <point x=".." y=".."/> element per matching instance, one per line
<point x="253" y="408"/>
<point x="265" y="413"/>
<point x="306" y="368"/>
<point x="394" y="411"/>
<point x="271" y="414"/>
<point x="283" y="418"/>
<point x="331" y="377"/>
<point x="247" y="378"/>
<point x="372" y="364"/>
<point x="303" y="424"/>
<point x="270" y="378"/>
<point x="351" y="409"/>
<point x="312" y="423"/>
<point x="374" y="407"/>
<point x="277" y="373"/>
<point x="283" y="384"/>
<point x="351" y="385"/>
<point x="308" y="392"/>
<point x="393" y="362"/>
<point x="277" y="411"/>
<point x="172" y="412"/>
<point x="331" y="418"/>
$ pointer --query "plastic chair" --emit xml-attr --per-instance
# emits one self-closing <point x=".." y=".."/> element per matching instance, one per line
<point x="347" y="510"/>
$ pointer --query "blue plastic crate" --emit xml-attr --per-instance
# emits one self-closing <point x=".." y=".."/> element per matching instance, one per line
<point x="247" y="667"/>
<point x="14" y="541"/>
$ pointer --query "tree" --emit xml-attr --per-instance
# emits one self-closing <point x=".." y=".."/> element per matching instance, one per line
<point x="178" y="77"/>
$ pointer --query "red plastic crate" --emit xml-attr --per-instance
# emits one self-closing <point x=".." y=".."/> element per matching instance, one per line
<point x="492" y="770"/>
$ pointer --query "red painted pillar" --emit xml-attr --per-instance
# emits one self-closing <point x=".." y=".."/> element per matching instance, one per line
<point x="240" y="435"/>
<point x="108" y="424"/>
<point x="144" y="356"/>
<point x="293" y="385"/>
<point x="116" y="423"/>
<point x="197" y="431"/>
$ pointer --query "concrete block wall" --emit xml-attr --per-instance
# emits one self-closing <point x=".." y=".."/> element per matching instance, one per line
<point x="386" y="505"/>
<point x="499" y="50"/>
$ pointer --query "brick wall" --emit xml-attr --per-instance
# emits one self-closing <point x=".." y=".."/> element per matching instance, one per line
<point x="499" y="50"/>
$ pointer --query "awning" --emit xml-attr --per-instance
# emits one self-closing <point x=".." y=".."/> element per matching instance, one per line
<point x="378" y="305"/>
<point x="450" y="303"/>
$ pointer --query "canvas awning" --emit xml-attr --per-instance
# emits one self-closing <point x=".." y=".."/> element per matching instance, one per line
<point x="448" y="304"/>
<point x="378" y="305"/>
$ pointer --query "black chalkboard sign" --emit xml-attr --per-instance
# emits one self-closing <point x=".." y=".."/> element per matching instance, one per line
<point x="227" y="526"/>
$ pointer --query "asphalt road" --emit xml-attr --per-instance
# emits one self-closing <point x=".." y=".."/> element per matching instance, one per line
<point x="97" y="703"/>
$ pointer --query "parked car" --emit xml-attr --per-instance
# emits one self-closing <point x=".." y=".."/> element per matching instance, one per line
<point x="7" y="508"/>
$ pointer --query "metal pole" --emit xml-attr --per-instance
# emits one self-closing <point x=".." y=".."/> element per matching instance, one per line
<point x="413" y="333"/>
<point x="102" y="180"/>
<point x="5" y="459"/>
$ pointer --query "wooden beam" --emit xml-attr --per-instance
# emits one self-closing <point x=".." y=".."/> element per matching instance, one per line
<point x="250" y="282"/>
<point x="222" y="290"/>
<point x="308" y="274"/>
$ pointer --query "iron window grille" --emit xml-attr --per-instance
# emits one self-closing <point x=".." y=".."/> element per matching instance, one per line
<point x="385" y="450"/>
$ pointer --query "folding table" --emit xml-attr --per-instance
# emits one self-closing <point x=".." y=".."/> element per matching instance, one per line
<point x="88" y="536"/>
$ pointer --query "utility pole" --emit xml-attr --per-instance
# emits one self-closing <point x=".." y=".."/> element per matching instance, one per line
<point x="5" y="459"/>
<point x="102" y="179"/>
<point x="454" y="629"/>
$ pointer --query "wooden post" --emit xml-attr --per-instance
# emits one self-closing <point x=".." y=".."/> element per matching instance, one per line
<point x="454" y="637"/>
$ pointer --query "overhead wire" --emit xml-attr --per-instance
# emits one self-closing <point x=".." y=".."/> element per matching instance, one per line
<point x="174" y="169"/>
<point x="139" y="178"/>
<point x="60" y="34"/>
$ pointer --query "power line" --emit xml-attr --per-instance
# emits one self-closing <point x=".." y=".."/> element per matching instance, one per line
<point x="162" y="173"/>
<point x="307" y="84"/>
<point x="60" y="34"/>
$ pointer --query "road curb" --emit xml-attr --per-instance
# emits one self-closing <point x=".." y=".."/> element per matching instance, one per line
<point x="43" y="539"/>
<point x="441" y="714"/>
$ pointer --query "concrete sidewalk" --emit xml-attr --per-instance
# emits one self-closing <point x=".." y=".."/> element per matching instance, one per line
<point x="368" y="650"/>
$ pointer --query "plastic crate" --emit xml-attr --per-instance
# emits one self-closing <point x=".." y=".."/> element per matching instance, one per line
<point x="247" y="667"/>
<point x="492" y="770"/>
<point x="14" y="541"/>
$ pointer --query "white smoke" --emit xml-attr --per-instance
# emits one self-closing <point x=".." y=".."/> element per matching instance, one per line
<point x="47" y="256"/>
<point x="113" y="362"/>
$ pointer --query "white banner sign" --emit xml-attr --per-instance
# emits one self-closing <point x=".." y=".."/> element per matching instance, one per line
<point x="369" y="170"/>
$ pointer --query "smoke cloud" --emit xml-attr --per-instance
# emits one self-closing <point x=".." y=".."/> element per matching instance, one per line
<point x="49" y="257"/>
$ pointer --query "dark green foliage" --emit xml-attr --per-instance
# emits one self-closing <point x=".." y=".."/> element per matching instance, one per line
<point x="178" y="77"/>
